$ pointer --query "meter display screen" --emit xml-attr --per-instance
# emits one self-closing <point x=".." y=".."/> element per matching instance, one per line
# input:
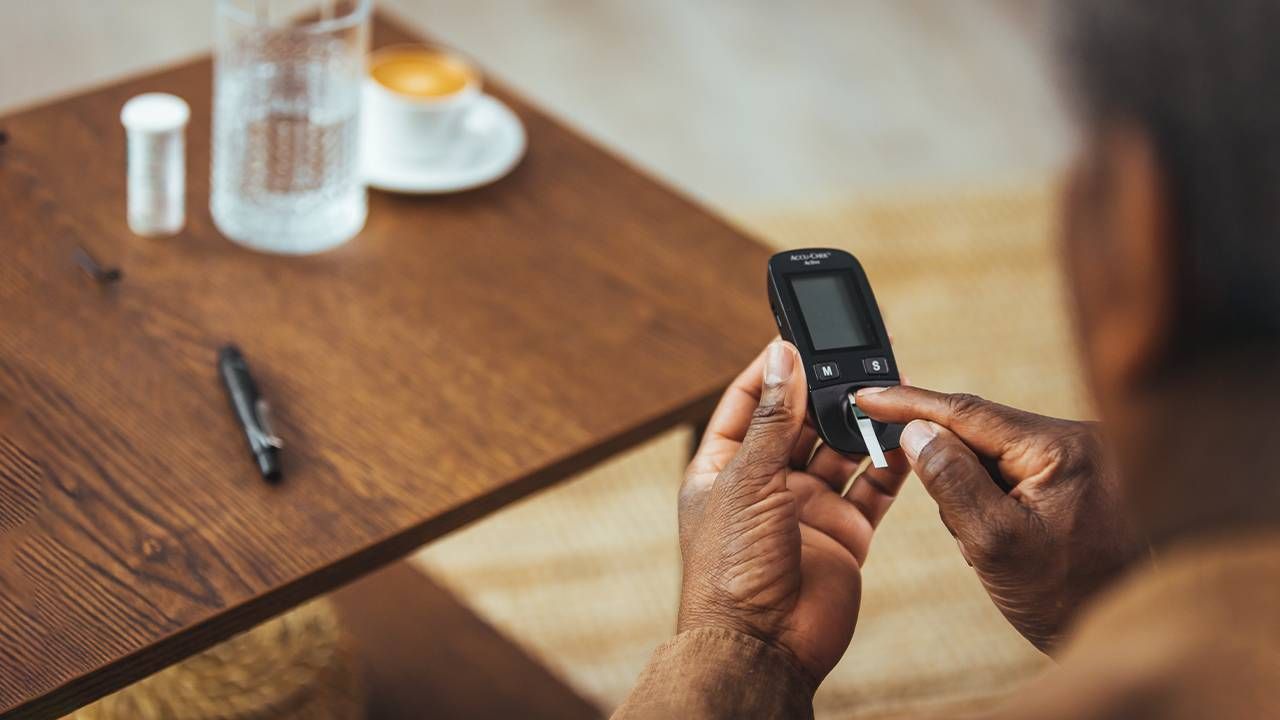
<point x="831" y="311"/>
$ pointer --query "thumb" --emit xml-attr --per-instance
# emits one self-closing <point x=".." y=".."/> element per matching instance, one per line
<point x="775" y="426"/>
<point x="976" y="511"/>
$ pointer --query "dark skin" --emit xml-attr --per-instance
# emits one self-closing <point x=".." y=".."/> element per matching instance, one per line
<point x="773" y="550"/>
<point x="1055" y="538"/>
<point x="771" y="547"/>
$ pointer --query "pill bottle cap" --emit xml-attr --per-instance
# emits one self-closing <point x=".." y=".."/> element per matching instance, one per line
<point x="155" y="113"/>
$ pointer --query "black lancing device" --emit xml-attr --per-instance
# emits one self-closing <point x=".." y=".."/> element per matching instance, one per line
<point x="251" y="410"/>
<point x="824" y="306"/>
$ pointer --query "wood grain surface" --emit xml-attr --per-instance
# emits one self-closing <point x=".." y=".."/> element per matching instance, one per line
<point x="424" y="654"/>
<point x="460" y="353"/>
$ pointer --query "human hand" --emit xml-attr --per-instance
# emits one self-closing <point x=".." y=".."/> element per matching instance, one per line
<point x="770" y="546"/>
<point x="1054" y="539"/>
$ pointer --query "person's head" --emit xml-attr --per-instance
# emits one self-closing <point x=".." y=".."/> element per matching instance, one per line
<point x="1172" y="220"/>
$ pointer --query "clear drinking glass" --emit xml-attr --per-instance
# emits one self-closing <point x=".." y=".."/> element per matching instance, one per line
<point x="286" y="109"/>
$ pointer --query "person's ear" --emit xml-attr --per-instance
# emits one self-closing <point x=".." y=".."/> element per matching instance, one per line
<point x="1145" y="250"/>
<point x="1136" y="262"/>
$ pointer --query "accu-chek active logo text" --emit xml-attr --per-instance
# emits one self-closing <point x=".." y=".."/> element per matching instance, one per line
<point x="812" y="258"/>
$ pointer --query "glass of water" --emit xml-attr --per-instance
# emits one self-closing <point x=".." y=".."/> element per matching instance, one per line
<point x="286" y="108"/>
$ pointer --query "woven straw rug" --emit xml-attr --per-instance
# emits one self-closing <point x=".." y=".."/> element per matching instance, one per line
<point x="586" y="575"/>
<point x="297" y="666"/>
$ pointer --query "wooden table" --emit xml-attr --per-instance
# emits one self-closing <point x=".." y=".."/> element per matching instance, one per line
<point x="459" y="354"/>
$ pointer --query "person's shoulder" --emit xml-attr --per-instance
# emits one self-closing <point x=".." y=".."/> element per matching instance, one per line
<point x="1194" y="634"/>
<point x="1118" y="681"/>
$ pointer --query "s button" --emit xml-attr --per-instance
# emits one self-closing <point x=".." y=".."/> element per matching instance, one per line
<point x="875" y="366"/>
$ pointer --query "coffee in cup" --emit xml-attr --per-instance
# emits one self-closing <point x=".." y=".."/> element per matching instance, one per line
<point x="416" y="98"/>
<point x="420" y="72"/>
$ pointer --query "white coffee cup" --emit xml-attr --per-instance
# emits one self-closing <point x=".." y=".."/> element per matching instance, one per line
<point x="416" y="102"/>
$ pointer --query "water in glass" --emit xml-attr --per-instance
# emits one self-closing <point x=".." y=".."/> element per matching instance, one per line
<point x="286" y="112"/>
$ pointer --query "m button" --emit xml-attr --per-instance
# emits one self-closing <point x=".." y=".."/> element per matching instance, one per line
<point x="875" y="366"/>
<point x="826" y="371"/>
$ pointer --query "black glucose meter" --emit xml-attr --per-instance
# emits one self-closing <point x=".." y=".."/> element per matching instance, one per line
<point x="823" y="305"/>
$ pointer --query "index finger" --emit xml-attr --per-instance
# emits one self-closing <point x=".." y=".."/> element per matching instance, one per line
<point x="987" y="427"/>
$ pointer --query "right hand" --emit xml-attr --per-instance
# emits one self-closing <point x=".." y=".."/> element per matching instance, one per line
<point x="1050" y="543"/>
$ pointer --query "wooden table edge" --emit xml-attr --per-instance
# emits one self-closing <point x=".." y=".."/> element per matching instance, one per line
<point x="180" y="645"/>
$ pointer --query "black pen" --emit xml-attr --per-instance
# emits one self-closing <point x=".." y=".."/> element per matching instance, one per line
<point x="251" y="410"/>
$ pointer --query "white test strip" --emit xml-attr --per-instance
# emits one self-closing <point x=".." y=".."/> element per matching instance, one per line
<point x="868" y="436"/>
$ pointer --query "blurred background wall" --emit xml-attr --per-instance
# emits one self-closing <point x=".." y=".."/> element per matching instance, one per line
<point x="924" y="135"/>
<point x="742" y="103"/>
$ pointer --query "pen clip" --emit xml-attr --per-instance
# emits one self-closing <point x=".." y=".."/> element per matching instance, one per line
<point x="264" y="432"/>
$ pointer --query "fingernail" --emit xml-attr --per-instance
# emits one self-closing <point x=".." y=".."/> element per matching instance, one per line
<point x="778" y="364"/>
<point x="915" y="436"/>
<point x="863" y="392"/>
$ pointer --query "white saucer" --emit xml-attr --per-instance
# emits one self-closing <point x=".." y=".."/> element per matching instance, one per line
<point x="492" y="143"/>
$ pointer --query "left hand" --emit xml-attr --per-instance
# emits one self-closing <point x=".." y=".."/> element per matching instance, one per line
<point x="770" y="546"/>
